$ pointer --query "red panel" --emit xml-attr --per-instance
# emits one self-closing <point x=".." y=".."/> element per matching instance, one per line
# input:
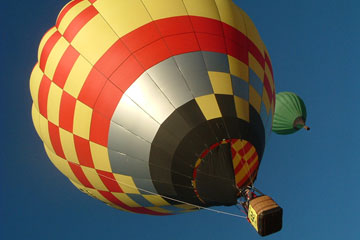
<point x="108" y="100"/>
<point x="235" y="35"/>
<point x="113" y="58"/>
<point x="141" y="37"/>
<point x="109" y="196"/>
<point x="65" y="10"/>
<point x="49" y="45"/>
<point x="65" y="65"/>
<point x="268" y="87"/>
<point x="152" y="54"/>
<point x="239" y="166"/>
<point x="252" y="170"/>
<point x="78" y="172"/>
<point x="109" y="181"/>
<point x="99" y="129"/>
<point x="43" y="95"/>
<point x="79" y="22"/>
<point x="207" y="25"/>
<point x="83" y="151"/>
<point x="211" y="43"/>
<point x="93" y="85"/>
<point x="257" y="54"/>
<point x="67" y="109"/>
<point x="181" y="43"/>
<point x="127" y="73"/>
<point x="252" y="158"/>
<point x="174" y="25"/>
<point x="55" y="139"/>
<point x="237" y="51"/>
<point x="245" y="149"/>
<point x="267" y="60"/>
<point x="92" y="1"/>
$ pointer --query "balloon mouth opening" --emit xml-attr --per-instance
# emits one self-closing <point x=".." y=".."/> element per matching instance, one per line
<point x="299" y="123"/>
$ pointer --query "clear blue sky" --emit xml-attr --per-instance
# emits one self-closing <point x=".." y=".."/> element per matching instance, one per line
<point x="314" y="176"/>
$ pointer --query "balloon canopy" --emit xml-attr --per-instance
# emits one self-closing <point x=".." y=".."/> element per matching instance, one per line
<point x="147" y="105"/>
<point x="290" y="113"/>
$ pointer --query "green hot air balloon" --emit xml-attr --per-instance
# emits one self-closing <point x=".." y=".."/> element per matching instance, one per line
<point x="290" y="113"/>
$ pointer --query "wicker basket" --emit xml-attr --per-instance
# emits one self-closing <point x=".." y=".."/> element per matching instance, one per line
<point x="265" y="215"/>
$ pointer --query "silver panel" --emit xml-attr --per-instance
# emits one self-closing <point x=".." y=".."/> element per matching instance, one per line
<point x="133" y="118"/>
<point x="148" y="96"/>
<point x="255" y="81"/>
<point x="171" y="82"/>
<point x="137" y="169"/>
<point x="123" y="141"/>
<point x="193" y="68"/>
<point x="217" y="62"/>
<point x="240" y="87"/>
<point x="127" y="165"/>
<point x="145" y="184"/>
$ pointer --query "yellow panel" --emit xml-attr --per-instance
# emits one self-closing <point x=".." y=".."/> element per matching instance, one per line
<point x="209" y="106"/>
<point x="94" y="178"/>
<point x="184" y="206"/>
<point x="100" y="157"/>
<point x="82" y="120"/>
<point x="249" y="153"/>
<point x="236" y="160"/>
<point x="91" y="192"/>
<point x="253" y="33"/>
<point x="35" y="81"/>
<point x="53" y="104"/>
<point x="94" y="39"/>
<point x="238" y="68"/>
<point x="123" y="16"/>
<point x="159" y="209"/>
<point x="54" y="57"/>
<point x="77" y="76"/>
<point x="123" y="197"/>
<point x="254" y="98"/>
<point x="266" y="100"/>
<point x="156" y="200"/>
<point x="36" y="118"/>
<point x="202" y="8"/>
<point x="164" y="8"/>
<point x="126" y="183"/>
<point x="221" y="83"/>
<point x="68" y="145"/>
<point x="242" y="108"/>
<point x="44" y="39"/>
<point x="60" y="164"/>
<point x="44" y="132"/>
<point x="231" y="14"/>
<point x="245" y="170"/>
<point x="71" y="14"/>
<point x="256" y="67"/>
<point x="269" y="76"/>
<point x="238" y="145"/>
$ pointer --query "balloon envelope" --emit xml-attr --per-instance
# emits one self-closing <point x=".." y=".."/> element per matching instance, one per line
<point x="143" y="103"/>
<point x="290" y="113"/>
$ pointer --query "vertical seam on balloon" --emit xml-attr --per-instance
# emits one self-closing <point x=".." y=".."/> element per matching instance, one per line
<point x="202" y="55"/>
<point x="162" y="37"/>
<point x="131" y="54"/>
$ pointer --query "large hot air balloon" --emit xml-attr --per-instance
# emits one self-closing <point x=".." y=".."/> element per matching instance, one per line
<point x="154" y="105"/>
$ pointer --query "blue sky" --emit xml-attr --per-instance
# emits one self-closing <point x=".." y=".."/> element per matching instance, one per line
<point x="313" y="175"/>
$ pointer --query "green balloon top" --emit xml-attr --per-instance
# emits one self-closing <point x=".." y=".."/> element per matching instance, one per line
<point x="290" y="113"/>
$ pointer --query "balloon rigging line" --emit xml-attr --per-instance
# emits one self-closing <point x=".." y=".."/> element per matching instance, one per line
<point x="173" y="199"/>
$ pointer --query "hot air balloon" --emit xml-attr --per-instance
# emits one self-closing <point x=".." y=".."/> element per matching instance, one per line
<point x="290" y="113"/>
<point x="154" y="106"/>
